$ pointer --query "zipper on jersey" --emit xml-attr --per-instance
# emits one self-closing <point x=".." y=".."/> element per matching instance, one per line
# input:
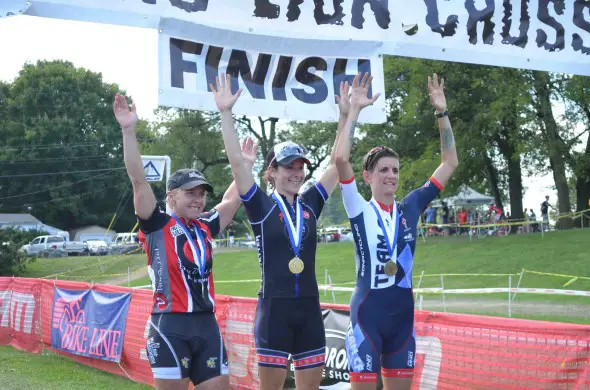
<point x="296" y="285"/>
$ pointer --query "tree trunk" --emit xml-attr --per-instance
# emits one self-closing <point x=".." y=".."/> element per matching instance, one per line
<point x="556" y="148"/>
<point x="507" y="149"/>
<point x="514" y="180"/>
<point x="583" y="186"/>
<point x="493" y="177"/>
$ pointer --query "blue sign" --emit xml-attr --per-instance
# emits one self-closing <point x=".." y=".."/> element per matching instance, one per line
<point x="89" y="323"/>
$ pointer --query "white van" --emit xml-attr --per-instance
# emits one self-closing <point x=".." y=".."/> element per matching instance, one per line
<point x="124" y="242"/>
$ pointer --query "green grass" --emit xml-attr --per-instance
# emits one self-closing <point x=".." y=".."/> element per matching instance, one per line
<point x="23" y="370"/>
<point x="87" y="268"/>
<point x="558" y="252"/>
<point x="565" y="252"/>
<point x="561" y="252"/>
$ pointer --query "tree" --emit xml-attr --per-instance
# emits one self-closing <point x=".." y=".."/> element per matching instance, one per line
<point x="316" y="137"/>
<point x="333" y="212"/>
<point x="13" y="262"/>
<point x="413" y="132"/>
<point x="62" y="152"/>
<point x="577" y="93"/>
<point x="556" y="147"/>
<point x="192" y="139"/>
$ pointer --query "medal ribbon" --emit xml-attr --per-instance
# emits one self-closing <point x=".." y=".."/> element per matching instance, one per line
<point x="295" y="231"/>
<point x="200" y="254"/>
<point x="387" y="234"/>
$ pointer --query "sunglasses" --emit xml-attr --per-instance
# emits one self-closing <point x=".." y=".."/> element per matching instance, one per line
<point x="378" y="149"/>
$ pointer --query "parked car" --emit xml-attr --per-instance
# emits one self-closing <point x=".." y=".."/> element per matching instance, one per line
<point x="124" y="243"/>
<point x="45" y="246"/>
<point x="53" y="246"/>
<point x="96" y="247"/>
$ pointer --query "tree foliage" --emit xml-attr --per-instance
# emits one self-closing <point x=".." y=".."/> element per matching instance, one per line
<point x="61" y="154"/>
<point x="62" y="159"/>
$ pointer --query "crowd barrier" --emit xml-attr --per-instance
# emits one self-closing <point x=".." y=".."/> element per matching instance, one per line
<point x="493" y="225"/>
<point x="454" y="351"/>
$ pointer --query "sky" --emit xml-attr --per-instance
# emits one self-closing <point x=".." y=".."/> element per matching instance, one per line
<point x="128" y="57"/>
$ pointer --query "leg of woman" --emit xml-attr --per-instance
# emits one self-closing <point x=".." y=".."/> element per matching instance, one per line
<point x="209" y="368"/>
<point x="271" y="378"/>
<point x="273" y="339"/>
<point x="309" y="343"/>
<point x="217" y="383"/>
<point x="363" y="342"/>
<point x="399" y="351"/>
<point x="171" y="384"/>
<point x="166" y="348"/>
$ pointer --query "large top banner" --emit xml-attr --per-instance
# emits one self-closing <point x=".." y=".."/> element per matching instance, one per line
<point x="280" y="86"/>
<point x="551" y="35"/>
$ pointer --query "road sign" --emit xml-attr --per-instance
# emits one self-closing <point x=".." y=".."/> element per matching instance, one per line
<point x="154" y="168"/>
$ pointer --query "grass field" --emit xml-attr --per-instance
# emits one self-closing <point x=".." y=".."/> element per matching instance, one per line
<point x="558" y="252"/>
<point x="22" y="370"/>
<point x="561" y="252"/>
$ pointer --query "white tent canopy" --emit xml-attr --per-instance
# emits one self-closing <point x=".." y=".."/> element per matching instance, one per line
<point x="466" y="197"/>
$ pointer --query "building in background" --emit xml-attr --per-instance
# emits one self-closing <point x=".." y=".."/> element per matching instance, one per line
<point x="93" y="232"/>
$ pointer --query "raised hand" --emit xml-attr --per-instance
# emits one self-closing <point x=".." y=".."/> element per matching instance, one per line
<point x="360" y="90"/>
<point x="126" y="117"/>
<point x="224" y="99"/>
<point x="249" y="150"/>
<point x="344" y="99"/>
<point x="437" y="93"/>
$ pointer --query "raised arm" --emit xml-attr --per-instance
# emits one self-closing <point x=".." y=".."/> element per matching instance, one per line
<point x="329" y="178"/>
<point x="357" y="100"/>
<point x="144" y="199"/>
<point x="231" y="199"/>
<point x="448" y="151"/>
<point x="225" y="101"/>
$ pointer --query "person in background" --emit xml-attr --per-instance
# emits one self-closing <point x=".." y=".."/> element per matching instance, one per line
<point x="525" y="228"/>
<point x="545" y="212"/>
<point x="463" y="217"/>
<point x="431" y="219"/>
<point x="533" y="219"/>
<point x="231" y="232"/>
<point x="495" y="213"/>
<point x="445" y="218"/>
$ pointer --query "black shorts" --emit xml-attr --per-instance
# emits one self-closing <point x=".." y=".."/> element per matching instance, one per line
<point x="290" y="326"/>
<point x="182" y="345"/>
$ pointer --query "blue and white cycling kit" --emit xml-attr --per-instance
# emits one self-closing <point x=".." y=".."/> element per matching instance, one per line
<point x="381" y="332"/>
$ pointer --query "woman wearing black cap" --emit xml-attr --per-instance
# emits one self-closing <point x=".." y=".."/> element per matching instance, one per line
<point x="288" y="317"/>
<point x="184" y="340"/>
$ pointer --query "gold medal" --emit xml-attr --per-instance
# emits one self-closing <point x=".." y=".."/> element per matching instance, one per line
<point x="390" y="268"/>
<point x="296" y="265"/>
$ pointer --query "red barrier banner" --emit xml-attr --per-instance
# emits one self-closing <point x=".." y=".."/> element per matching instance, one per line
<point x="20" y="313"/>
<point x="453" y="351"/>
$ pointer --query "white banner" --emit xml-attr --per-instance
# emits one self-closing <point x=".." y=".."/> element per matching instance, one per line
<point x="549" y="35"/>
<point x="282" y="86"/>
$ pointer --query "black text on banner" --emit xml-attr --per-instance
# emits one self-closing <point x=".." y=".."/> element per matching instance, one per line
<point x="283" y="86"/>
<point x="533" y="34"/>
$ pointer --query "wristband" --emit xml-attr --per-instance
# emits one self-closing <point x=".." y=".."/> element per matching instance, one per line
<point x="441" y="114"/>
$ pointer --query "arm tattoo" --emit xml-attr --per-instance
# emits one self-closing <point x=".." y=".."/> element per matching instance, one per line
<point x="448" y="141"/>
<point x="352" y="129"/>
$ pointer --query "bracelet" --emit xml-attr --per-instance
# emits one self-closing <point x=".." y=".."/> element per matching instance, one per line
<point x="441" y="114"/>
